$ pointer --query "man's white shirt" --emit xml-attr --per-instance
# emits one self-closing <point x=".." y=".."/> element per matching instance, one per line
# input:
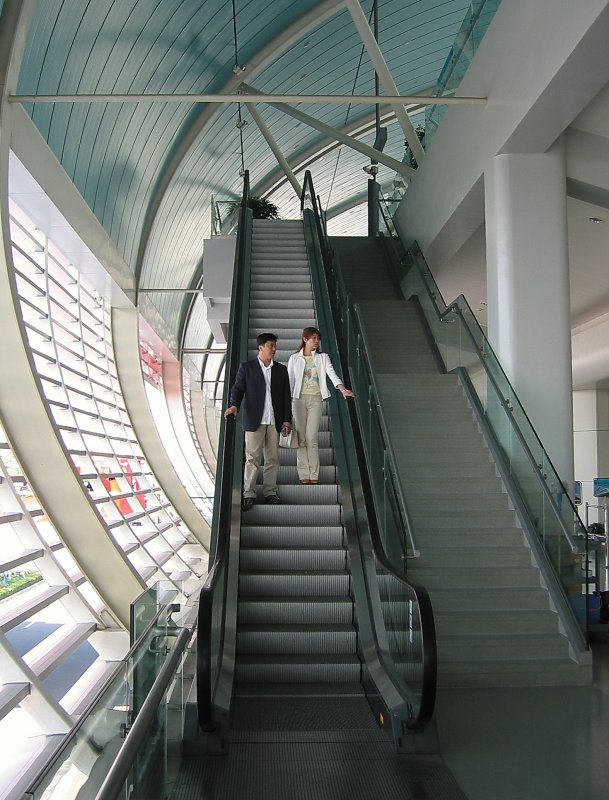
<point x="268" y="417"/>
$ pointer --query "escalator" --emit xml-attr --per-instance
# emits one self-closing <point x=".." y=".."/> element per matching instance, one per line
<point x="316" y="657"/>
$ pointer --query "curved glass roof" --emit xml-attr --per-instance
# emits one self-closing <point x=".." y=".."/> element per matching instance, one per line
<point x="148" y="170"/>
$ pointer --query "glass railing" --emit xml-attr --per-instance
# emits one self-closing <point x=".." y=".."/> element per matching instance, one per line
<point x="224" y="216"/>
<point x="407" y="637"/>
<point x="474" y="26"/>
<point x="81" y="764"/>
<point x="217" y="600"/>
<point x="540" y="492"/>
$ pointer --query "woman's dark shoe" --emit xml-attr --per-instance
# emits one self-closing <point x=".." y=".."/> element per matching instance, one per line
<point x="247" y="503"/>
<point x="271" y="499"/>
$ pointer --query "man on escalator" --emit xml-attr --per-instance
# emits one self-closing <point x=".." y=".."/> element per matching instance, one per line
<point x="262" y="385"/>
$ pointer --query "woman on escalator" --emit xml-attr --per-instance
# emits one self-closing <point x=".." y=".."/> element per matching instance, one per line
<point x="309" y="369"/>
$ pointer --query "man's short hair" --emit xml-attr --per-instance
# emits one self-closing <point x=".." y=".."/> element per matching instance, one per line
<point x="263" y="338"/>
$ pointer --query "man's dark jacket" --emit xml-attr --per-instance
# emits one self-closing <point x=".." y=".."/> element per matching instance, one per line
<point x="249" y="388"/>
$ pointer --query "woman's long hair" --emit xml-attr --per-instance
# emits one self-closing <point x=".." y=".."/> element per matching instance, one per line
<point x="306" y="334"/>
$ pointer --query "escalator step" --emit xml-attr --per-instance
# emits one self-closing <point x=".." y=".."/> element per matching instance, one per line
<point x="287" y="456"/>
<point x="292" y="558"/>
<point x="288" y="475"/>
<point x="262" y="514"/>
<point x="319" y="495"/>
<point x="288" y="669"/>
<point x="282" y="639"/>
<point x="291" y="536"/>
<point x="291" y="584"/>
<point x="294" y="610"/>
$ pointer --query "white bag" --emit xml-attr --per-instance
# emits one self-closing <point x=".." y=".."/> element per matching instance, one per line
<point x="291" y="440"/>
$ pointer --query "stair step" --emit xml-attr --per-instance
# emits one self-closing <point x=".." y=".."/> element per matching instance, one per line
<point x="492" y="622"/>
<point x="476" y="577"/>
<point x="501" y="646"/>
<point x="473" y="518"/>
<point x="487" y="599"/>
<point x="444" y="502"/>
<point x="495" y="555"/>
<point x="441" y="538"/>
<point x="513" y="673"/>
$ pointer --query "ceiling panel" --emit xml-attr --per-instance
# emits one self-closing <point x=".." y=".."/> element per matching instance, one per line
<point x="148" y="170"/>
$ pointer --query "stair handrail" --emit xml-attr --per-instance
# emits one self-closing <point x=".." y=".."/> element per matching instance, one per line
<point x="461" y="308"/>
<point x="158" y="621"/>
<point x="214" y="596"/>
<point x="412" y="260"/>
<point x="119" y="770"/>
<point x="428" y="684"/>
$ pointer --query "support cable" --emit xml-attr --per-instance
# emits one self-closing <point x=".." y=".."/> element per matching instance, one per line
<point x="361" y="56"/>
<point x="241" y="122"/>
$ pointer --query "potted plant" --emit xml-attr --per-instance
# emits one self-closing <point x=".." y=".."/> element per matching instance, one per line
<point x="263" y="209"/>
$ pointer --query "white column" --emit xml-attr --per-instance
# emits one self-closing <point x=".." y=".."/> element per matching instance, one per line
<point x="591" y="443"/>
<point x="528" y="291"/>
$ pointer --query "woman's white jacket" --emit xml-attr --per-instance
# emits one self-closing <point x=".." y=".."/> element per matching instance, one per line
<point x="323" y="365"/>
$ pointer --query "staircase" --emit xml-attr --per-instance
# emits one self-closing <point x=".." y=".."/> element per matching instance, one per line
<point x="495" y="623"/>
<point x="297" y="666"/>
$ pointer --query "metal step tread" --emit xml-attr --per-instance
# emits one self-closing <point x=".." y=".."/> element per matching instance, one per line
<point x="319" y="627"/>
<point x="307" y="573"/>
<point x="296" y="599"/>
<point x="337" y="689"/>
<point x="279" y="659"/>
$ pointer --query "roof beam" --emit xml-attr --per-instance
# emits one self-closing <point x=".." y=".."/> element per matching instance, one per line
<point x="397" y="101"/>
<point x="385" y="77"/>
<point x="350" y="141"/>
<point x="281" y="160"/>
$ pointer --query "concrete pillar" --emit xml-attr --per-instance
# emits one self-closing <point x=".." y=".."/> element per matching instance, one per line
<point x="591" y="443"/>
<point x="528" y="291"/>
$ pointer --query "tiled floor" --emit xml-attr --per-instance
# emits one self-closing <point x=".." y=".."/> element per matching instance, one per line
<point x="530" y="744"/>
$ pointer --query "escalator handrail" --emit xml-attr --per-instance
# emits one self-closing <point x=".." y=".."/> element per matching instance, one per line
<point x="215" y="586"/>
<point x="428" y="637"/>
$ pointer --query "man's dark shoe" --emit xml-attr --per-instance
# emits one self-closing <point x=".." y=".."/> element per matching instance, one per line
<point x="271" y="499"/>
<point x="247" y="503"/>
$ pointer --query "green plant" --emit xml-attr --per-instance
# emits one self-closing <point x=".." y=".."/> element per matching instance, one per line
<point x="12" y="582"/>
<point x="420" y="132"/>
<point x="263" y="209"/>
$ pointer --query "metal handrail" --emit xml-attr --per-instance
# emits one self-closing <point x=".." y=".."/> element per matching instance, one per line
<point x="67" y="740"/>
<point x="215" y="587"/>
<point x="119" y="771"/>
<point x="428" y="638"/>
<point x="456" y="308"/>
